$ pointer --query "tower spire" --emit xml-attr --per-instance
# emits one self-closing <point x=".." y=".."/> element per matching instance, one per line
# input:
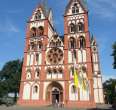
<point x="44" y="2"/>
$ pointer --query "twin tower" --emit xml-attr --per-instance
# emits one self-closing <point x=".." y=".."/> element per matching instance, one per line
<point x="47" y="73"/>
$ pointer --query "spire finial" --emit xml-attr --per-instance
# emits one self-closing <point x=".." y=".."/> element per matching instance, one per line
<point x="45" y="3"/>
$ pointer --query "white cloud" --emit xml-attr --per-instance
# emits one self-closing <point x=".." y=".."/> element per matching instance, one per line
<point x="8" y="26"/>
<point x="13" y="28"/>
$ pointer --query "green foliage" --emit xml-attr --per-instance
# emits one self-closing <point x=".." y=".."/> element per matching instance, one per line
<point x="3" y="88"/>
<point x="110" y="90"/>
<point x="114" y="55"/>
<point x="10" y="76"/>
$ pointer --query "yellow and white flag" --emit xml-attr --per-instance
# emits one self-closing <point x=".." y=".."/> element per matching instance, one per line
<point x="83" y="82"/>
<point x="76" y="80"/>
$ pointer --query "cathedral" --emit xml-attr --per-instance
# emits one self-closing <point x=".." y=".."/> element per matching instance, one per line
<point x="50" y="60"/>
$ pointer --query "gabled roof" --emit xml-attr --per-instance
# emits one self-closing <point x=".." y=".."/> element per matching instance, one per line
<point x="83" y="3"/>
<point x="44" y="9"/>
<point x="55" y="37"/>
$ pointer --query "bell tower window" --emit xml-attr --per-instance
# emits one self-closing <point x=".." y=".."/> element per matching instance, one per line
<point x="38" y="15"/>
<point x="75" y="9"/>
<point x="72" y="28"/>
<point x="82" y="42"/>
<point x="80" y="27"/>
<point x="33" y="32"/>
<point x="40" y="31"/>
<point x="72" y="43"/>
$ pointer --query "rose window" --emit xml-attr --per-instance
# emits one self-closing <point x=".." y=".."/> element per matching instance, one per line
<point x="55" y="55"/>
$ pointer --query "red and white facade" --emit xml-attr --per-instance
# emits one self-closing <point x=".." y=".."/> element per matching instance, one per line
<point x="47" y="73"/>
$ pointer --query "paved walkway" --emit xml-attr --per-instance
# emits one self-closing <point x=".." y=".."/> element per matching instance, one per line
<point x="99" y="107"/>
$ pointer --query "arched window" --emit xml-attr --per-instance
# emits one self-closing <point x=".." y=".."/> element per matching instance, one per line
<point x="40" y="45"/>
<point x="58" y="43"/>
<point x="60" y="70"/>
<point x="28" y="76"/>
<point x="26" y="91"/>
<point x="73" y="89"/>
<point x="75" y="9"/>
<point x="72" y="43"/>
<point x="35" y="90"/>
<point x="32" y="45"/>
<point x="52" y="44"/>
<point x="37" y="57"/>
<point x="38" y="15"/>
<point x="55" y="71"/>
<point x="37" y="73"/>
<point x="72" y="28"/>
<point x="49" y="71"/>
<point x="33" y="32"/>
<point x="80" y="27"/>
<point x="40" y="31"/>
<point x="55" y="36"/>
<point x="82" y="42"/>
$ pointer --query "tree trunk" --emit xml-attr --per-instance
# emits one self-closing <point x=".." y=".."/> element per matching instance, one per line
<point x="15" y="96"/>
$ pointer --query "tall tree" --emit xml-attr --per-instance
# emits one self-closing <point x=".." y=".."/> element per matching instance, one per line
<point x="110" y="90"/>
<point x="114" y="55"/>
<point x="10" y="77"/>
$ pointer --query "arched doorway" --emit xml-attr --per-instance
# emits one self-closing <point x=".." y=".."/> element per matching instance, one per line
<point x="54" y="93"/>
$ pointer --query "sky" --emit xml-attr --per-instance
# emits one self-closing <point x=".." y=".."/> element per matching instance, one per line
<point x="15" y="13"/>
